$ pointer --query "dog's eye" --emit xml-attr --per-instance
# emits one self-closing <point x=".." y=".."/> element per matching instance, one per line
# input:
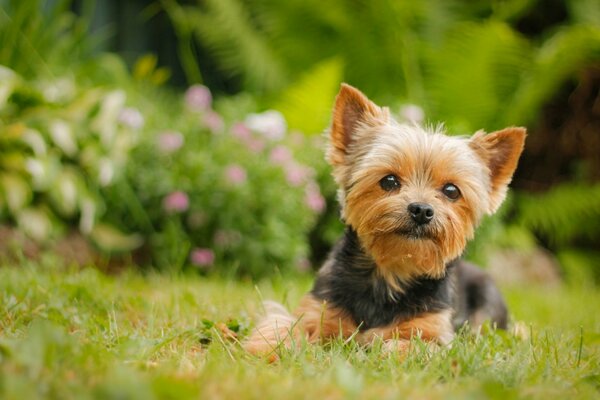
<point x="451" y="191"/>
<point x="389" y="183"/>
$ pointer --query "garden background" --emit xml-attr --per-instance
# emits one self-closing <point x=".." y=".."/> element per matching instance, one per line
<point x="179" y="144"/>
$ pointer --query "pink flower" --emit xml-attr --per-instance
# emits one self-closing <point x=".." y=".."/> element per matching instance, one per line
<point x="280" y="155"/>
<point x="202" y="257"/>
<point x="313" y="198"/>
<point x="176" y="202"/>
<point x="170" y="141"/>
<point x="235" y="174"/>
<point x="241" y="131"/>
<point x="131" y="118"/>
<point x="296" y="174"/>
<point x="213" y="121"/>
<point x="198" y="98"/>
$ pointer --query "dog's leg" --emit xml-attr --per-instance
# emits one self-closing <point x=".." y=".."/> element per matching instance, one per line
<point x="322" y="321"/>
<point x="314" y="321"/>
<point x="434" y="328"/>
<point x="275" y="330"/>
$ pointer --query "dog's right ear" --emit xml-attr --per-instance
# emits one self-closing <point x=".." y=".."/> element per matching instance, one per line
<point x="352" y="110"/>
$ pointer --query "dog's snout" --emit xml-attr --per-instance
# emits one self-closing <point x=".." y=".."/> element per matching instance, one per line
<point x="421" y="213"/>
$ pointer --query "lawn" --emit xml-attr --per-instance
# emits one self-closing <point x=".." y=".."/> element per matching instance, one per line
<point x="81" y="334"/>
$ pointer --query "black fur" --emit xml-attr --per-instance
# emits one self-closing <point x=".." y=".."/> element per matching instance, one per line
<point x="349" y="281"/>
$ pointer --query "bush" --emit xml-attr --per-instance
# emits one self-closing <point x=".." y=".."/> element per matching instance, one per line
<point x="60" y="145"/>
<point x="209" y="190"/>
<point x="183" y="185"/>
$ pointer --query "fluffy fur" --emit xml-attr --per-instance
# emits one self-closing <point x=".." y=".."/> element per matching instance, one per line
<point x="391" y="277"/>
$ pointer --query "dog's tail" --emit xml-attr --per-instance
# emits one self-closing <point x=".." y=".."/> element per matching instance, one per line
<point x="274" y="331"/>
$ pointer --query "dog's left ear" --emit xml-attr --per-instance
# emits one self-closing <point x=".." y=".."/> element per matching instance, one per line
<point x="500" y="151"/>
<point x="351" y="110"/>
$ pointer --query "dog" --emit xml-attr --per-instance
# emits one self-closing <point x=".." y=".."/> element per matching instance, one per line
<point x="411" y="199"/>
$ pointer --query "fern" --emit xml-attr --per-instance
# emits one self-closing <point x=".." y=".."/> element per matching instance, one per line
<point x="474" y="73"/>
<point x="564" y="213"/>
<point x="226" y="28"/>
<point x="306" y="104"/>
<point x="39" y="38"/>
<point x="558" y="59"/>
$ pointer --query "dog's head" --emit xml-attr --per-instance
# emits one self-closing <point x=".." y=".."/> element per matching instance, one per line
<point x="414" y="196"/>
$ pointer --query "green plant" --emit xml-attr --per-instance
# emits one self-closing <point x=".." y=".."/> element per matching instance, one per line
<point x="204" y="190"/>
<point x="472" y="65"/>
<point x="44" y="38"/>
<point x="61" y="145"/>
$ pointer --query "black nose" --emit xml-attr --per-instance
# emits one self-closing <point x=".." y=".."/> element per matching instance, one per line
<point x="421" y="213"/>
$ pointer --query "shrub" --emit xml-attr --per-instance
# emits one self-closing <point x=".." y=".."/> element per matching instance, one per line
<point x="207" y="191"/>
<point x="182" y="185"/>
<point x="60" y="145"/>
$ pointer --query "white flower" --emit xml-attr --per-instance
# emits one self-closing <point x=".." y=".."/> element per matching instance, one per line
<point x="270" y="124"/>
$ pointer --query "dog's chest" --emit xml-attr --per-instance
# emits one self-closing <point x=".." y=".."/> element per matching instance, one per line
<point x="371" y="303"/>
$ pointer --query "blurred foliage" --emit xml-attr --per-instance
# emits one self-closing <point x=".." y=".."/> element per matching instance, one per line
<point x="470" y="64"/>
<point x="172" y="176"/>
<point x="60" y="145"/>
<point x="200" y="186"/>
<point x="42" y="37"/>
<point x="136" y="168"/>
<point x="467" y="71"/>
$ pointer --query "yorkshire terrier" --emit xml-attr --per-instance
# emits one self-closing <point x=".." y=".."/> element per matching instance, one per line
<point x="411" y="198"/>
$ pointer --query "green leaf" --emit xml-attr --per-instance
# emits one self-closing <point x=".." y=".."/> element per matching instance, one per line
<point x="110" y="239"/>
<point x="17" y="191"/>
<point x="474" y="73"/>
<point x="563" y="213"/>
<point x="36" y="223"/>
<point x="307" y="103"/>
<point x="559" y="58"/>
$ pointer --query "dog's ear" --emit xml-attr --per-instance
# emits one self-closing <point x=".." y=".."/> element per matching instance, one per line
<point x="352" y="109"/>
<point x="500" y="152"/>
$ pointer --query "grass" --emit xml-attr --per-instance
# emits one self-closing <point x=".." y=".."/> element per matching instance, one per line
<point x="80" y="334"/>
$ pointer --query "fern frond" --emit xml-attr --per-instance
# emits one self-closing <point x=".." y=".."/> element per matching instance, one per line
<point x="226" y="29"/>
<point x="474" y="73"/>
<point x="559" y="58"/>
<point x="564" y="213"/>
<point x="306" y="104"/>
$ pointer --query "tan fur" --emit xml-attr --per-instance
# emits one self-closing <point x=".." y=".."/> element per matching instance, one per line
<point x="322" y="321"/>
<point x="317" y="322"/>
<point x="500" y="151"/>
<point x="431" y="327"/>
<point x="313" y="321"/>
<point x="276" y="329"/>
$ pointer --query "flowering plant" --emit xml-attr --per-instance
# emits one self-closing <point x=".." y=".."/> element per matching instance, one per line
<point x="211" y="193"/>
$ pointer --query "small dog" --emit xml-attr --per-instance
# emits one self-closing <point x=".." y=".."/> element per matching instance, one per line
<point x="410" y="199"/>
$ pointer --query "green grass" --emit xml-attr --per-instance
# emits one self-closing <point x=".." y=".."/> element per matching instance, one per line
<point x="81" y="334"/>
